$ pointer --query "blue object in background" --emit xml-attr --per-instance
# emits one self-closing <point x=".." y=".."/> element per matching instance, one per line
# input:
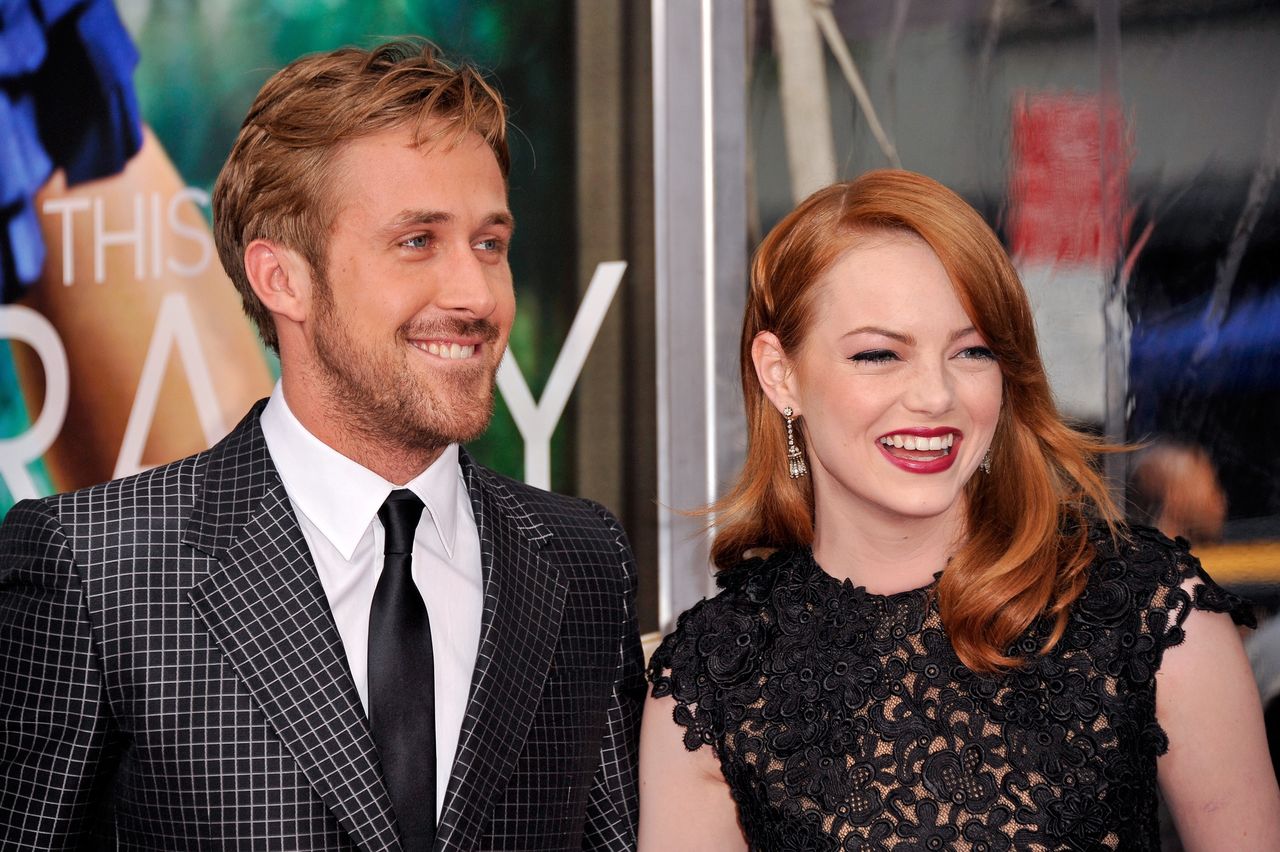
<point x="1244" y="357"/>
<point x="66" y="101"/>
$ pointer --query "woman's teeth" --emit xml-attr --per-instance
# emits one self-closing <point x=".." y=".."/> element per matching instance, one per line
<point x="919" y="442"/>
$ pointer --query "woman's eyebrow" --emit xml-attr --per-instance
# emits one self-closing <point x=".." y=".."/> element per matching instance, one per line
<point x="900" y="336"/>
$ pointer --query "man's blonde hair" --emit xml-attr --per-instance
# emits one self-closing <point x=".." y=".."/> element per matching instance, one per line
<point x="277" y="182"/>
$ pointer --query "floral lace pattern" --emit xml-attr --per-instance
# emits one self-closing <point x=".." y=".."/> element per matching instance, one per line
<point x="843" y="720"/>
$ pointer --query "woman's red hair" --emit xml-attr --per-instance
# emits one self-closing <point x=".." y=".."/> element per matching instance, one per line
<point x="1027" y="550"/>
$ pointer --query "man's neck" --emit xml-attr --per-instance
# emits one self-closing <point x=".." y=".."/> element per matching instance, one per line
<point x="361" y="442"/>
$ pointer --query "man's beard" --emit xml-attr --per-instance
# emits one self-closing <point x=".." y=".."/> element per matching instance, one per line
<point x="385" y="400"/>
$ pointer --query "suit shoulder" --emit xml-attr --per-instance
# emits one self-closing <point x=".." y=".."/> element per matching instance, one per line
<point x="46" y="530"/>
<point x="30" y="529"/>
<point x="158" y="491"/>
<point x="555" y="510"/>
<point x="582" y="531"/>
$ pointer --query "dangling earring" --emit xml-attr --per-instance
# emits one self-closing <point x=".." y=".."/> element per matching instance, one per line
<point x="795" y="459"/>
<point x="986" y="462"/>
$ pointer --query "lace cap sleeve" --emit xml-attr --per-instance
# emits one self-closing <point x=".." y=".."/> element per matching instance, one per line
<point x="712" y="652"/>
<point x="1169" y="583"/>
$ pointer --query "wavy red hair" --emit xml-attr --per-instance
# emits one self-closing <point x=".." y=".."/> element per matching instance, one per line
<point x="1027" y="550"/>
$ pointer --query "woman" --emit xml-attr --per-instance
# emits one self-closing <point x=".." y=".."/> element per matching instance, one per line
<point x="932" y="633"/>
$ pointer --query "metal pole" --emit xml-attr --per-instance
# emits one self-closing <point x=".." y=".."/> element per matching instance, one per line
<point x="1116" y="326"/>
<point x="699" y="67"/>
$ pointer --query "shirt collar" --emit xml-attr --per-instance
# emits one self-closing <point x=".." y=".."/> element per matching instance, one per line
<point x="341" y="497"/>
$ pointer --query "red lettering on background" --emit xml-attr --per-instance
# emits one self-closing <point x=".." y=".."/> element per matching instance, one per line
<point x="1069" y="187"/>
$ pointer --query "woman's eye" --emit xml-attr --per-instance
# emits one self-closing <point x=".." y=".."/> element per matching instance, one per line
<point x="981" y="352"/>
<point x="875" y="356"/>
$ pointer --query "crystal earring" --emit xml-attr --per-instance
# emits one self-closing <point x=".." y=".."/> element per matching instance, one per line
<point x="795" y="459"/>
<point x="986" y="462"/>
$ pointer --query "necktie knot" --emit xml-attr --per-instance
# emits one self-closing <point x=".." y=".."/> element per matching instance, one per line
<point x="400" y="514"/>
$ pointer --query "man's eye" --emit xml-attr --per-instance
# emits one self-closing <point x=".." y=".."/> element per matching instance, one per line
<point x="419" y="241"/>
<point x="875" y="356"/>
<point x="492" y="244"/>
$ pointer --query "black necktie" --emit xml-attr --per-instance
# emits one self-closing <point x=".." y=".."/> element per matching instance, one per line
<point x="401" y="679"/>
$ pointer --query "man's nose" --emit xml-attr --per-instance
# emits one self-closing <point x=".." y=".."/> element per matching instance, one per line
<point x="468" y="285"/>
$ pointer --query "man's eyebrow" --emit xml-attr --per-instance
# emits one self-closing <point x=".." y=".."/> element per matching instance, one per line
<point x="418" y="217"/>
<point x="502" y="218"/>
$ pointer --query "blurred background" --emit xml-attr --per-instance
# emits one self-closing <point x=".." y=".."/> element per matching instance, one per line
<point x="1126" y="151"/>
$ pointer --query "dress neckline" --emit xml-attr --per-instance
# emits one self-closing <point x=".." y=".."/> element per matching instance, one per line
<point x="803" y="562"/>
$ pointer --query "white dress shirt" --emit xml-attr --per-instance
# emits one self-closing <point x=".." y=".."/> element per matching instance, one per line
<point x="336" y="502"/>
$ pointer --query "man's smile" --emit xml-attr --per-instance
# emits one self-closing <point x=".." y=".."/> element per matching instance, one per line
<point x="449" y="350"/>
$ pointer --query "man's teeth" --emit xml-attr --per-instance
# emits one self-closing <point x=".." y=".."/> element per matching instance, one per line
<point x="452" y="351"/>
<point x="914" y="442"/>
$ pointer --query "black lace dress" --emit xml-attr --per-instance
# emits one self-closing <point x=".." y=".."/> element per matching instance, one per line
<point x="843" y="720"/>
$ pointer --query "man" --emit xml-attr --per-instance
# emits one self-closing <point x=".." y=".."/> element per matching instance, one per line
<point x="333" y="630"/>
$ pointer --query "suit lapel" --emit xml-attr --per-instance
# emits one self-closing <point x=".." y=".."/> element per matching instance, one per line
<point x="265" y="607"/>
<point x="523" y="602"/>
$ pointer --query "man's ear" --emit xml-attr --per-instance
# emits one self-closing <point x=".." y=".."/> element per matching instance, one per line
<point x="280" y="278"/>
<point x="774" y="371"/>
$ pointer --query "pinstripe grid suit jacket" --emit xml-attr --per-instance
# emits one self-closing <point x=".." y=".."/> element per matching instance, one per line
<point x="171" y="676"/>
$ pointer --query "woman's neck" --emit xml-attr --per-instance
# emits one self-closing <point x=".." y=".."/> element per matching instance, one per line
<point x="885" y="553"/>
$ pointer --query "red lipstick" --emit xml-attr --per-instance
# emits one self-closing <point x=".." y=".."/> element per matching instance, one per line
<point x="935" y="465"/>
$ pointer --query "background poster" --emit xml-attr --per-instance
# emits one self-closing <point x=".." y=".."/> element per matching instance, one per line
<point x="127" y="345"/>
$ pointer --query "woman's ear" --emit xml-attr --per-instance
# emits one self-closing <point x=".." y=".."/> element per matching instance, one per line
<point x="280" y="278"/>
<point x="774" y="371"/>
